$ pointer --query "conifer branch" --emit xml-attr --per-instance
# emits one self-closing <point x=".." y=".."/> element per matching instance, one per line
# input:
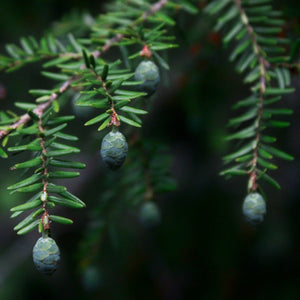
<point x="114" y="119"/>
<point x="107" y="46"/>
<point x="263" y="64"/>
<point x="154" y="9"/>
<point x="253" y="28"/>
<point x="39" y="110"/>
<point x="34" y="56"/>
<point x="44" y="197"/>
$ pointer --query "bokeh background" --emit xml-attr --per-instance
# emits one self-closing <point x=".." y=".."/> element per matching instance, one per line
<point x="202" y="249"/>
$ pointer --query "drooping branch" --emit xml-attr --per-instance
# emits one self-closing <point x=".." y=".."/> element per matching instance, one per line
<point x="263" y="65"/>
<point x="39" y="110"/>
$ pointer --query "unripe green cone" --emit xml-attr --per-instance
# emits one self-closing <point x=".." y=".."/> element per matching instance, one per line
<point x="254" y="208"/>
<point x="114" y="149"/>
<point x="150" y="214"/>
<point x="148" y="72"/>
<point x="46" y="255"/>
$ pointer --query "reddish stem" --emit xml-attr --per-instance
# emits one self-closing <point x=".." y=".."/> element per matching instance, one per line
<point x="263" y="64"/>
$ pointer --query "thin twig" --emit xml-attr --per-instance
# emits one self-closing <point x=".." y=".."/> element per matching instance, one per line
<point x="114" y="119"/>
<point x="154" y="9"/>
<point x="263" y="65"/>
<point x="39" y="110"/>
<point x="44" y="197"/>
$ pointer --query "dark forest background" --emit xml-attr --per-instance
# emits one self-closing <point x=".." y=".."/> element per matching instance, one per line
<point x="203" y="248"/>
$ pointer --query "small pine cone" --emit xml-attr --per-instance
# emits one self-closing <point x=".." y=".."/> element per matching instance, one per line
<point x="254" y="208"/>
<point x="46" y="255"/>
<point x="150" y="214"/>
<point x="148" y="72"/>
<point x="114" y="149"/>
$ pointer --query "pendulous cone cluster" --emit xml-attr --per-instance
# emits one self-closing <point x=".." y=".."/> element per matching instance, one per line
<point x="97" y="83"/>
<point x="114" y="146"/>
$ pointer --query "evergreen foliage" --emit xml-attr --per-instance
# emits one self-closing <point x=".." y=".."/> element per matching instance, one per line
<point x="137" y="34"/>
<point x="260" y="56"/>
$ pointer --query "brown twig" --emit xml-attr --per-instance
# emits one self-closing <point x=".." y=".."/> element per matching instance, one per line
<point x="39" y="110"/>
<point x="263" y="65"/>
<point x="44" y="196"/>
<point x="154" y="9"/>
<point x="108" y="45"/>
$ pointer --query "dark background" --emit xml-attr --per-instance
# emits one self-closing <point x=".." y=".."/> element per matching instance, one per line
<point x="203" y="249"/>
